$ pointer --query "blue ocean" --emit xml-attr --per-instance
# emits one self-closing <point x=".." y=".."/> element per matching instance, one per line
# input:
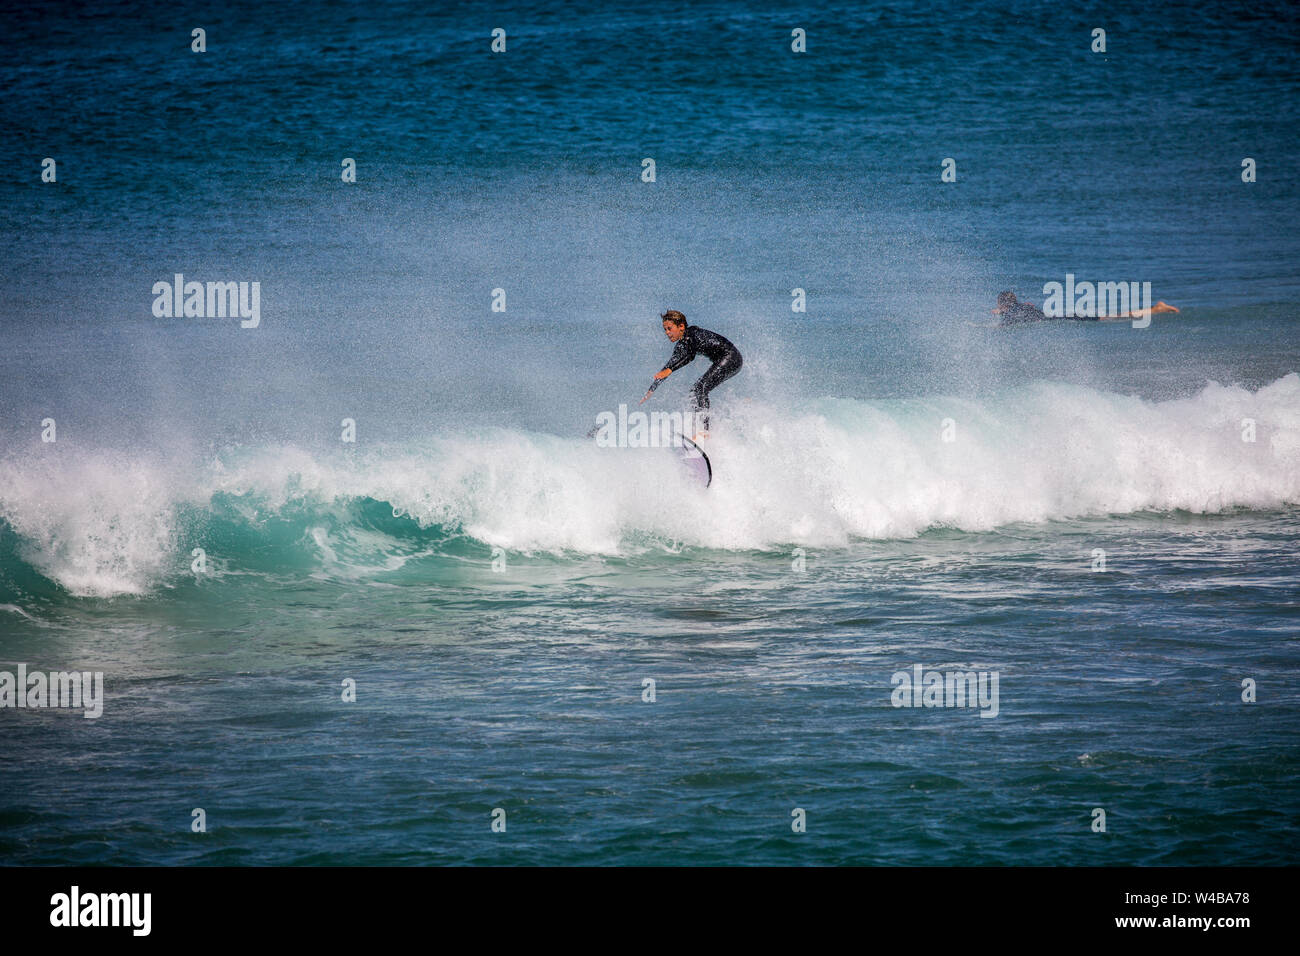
<point x="362" y="589"/>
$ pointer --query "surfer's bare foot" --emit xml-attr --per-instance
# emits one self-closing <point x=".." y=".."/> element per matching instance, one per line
<point x="699" y="436"/>
<point x="1163" y="307"/>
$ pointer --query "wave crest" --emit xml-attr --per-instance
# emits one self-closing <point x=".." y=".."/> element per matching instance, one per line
<point x="102" y="523"/>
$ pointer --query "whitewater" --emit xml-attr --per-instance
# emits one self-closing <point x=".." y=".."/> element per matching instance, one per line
<point x="104" y="522"/>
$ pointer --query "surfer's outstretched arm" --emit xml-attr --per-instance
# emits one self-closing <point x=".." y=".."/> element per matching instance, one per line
<point x="660" y="375"/>
<point x="683" y="349"/>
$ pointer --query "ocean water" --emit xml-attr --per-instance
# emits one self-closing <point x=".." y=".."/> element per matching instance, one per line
<point x="1103" y="516"/>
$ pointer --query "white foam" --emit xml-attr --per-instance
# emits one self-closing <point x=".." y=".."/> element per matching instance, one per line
<point x="99" y="524"/>
<point x="824" y="476"/>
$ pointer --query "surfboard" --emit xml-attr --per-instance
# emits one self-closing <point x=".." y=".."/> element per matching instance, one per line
<point x="695" y="461"/>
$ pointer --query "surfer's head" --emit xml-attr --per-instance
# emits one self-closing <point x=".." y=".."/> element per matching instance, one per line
<point x="1006" y="302"/>
<point x="674" y="325"/>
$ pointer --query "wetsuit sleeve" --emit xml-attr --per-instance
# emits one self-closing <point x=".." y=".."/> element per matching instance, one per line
<point x="682" y="355"/>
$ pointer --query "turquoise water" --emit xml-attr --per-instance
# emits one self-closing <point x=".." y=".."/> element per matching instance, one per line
<point x="499" y="588"/>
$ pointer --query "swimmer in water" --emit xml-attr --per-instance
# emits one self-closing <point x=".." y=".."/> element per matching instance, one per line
<point x="1014" y="312"/>
<point x="692" y="340"/>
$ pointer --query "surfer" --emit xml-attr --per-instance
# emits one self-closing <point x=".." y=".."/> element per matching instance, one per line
<point x="1014" y="312"/>
<point x="690" y="340"/>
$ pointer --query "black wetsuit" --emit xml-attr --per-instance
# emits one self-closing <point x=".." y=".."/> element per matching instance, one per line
<point x="1022" y="312"/>
<point x="724" y="356"/>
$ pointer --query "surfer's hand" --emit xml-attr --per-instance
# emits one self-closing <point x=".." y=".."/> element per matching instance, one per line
<point x="647" y="395"/>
